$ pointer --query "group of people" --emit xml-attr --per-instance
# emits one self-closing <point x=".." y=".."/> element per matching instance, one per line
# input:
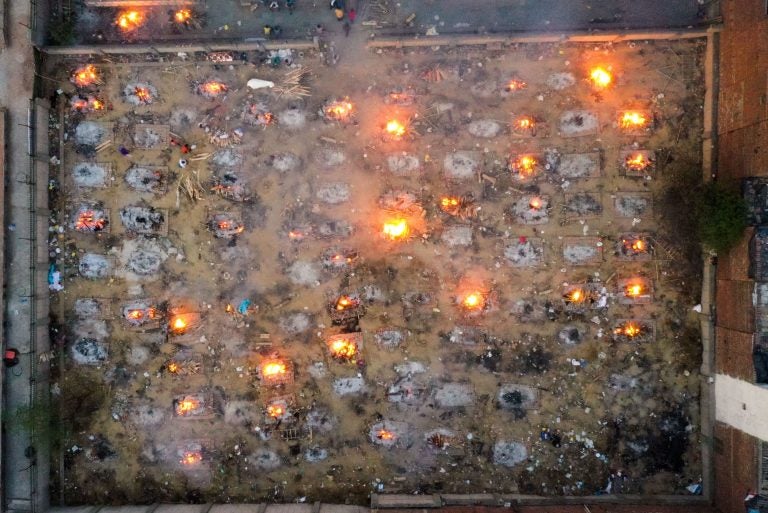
<point x="338" y="10"/>
<point x="274" y="5"/>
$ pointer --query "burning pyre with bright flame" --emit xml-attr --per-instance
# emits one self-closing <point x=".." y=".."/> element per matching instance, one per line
<point x="90" y="219"/>
<point x="275" y="371"/>
<point x="189" y="405"/>
<point x="578" y="296"/>
<point x="523" y="166"/>
<point x="635" y="290"/>
<point x="634" y="246"/>
<point x="338" y="259"/>
<point x="631" y="330"/>
<point x="600" y="78"/>
<point x="226" y="226"/>
<point x="638" y="162"/>
<point x="344" y="347"/>
<point x="128" y="21"/>
<point x="277" y="409"/>
<point x="633" y="121"/>
<point x="396" y="229"/>
<point x="345" y="307"/>
<point x="87" y="104"/>
<point x="387" y="434"/>
<point x="212" y="89"/>
<point x="338" y="110"/>
<point x="181" y="323"/>
<point x="524" y="125"/>
<point x="141" y="313"/>
<point x="190" y="458"/>
<point x="395" y="130"/>
<point x="514" y="85"/>
<point x="86" y="76"/>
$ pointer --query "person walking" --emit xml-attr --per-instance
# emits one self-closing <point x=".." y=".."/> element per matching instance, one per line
<point x="352" y="15"/>
<point x="339" y="14"/>
<point x="346" y="29"/>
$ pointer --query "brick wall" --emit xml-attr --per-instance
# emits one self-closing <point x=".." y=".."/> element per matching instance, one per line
<point x="735" y="468"/>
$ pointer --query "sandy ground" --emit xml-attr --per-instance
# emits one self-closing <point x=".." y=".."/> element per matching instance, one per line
<point x="616" y="404"/>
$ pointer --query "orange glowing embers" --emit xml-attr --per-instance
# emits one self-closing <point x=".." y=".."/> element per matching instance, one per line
<point x="515" y="84"/>
<point x="86" y="76"/>
<point x="90" y="218"/>
<point x="600" y="78"/>
<point x="473" y="301"/>
<point x="180" y="323"/>
<point x="339" y="110"/>
<point x="345" y="307"/>
<point x="190" y="405"/>
<point x="396" y="229"/>
<point x="276" y="410"/>
<point x="339" y="259"/>
<point x="275" y="371"/>
<point x="637" y="162"/>
<point x="226" y="226"/>
<point x="190" y="458"/>
<point x="387" y="433"/>
<point x="395" y="130"/>
<point x="576" y="296"/>
<point x="634" y="121"/>
<point x="635" y="290"/>
<point x="633" y="246"/>
<point x="212" y="89"/>
<point x="524" y="125"/>
<point x="459" y="206"/>
<point x="182" y="16"/>
<point x="524" y="166"/>
<point x="299" y="233"/>
<point x="128" y="21"/>
<point x="345" y="347"/>
<point x="536" y="203"/>
<point x="141" y="314"/>
<point x="633" y="330"/>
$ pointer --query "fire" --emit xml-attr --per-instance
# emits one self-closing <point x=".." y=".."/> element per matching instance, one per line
<point x="225" y="225"/>
<point x="178" y="324"/>
<point x="173" y="367"/>
<point x="396" y="229"/>
<point x="637" y="161"/>
<point x="296" y="235"/>
<point x="130" y="20"/>
<point x="515" y="85"/>
<point x="85" y="76"/>
<point x="383" y="434"/>
<point x="187" y="406"/>
<point x="214" y="88"/>
<point x="191" y="457"/>
<point x="345" y="303"/>
<point x="143" y="94"/>
<point x="635" y="245"/>
<point x="630" y="329"/>
<point x="96" y="104"/>
<point x="339" y="110"/>
<point x="524" y="124"/>
<point x="633" y="290"/>
<point x="182" y="15"/>
<point x="449" y="202"/>
<point x="395" y="128"/>
<point x="273" y="369"/>
<point x="632" y="119"/>
<point x="525" y="165"/>
<point x="576" y="296"/>
<point x="343" y="348"/>
<point x="90" y="221"/>
<point x="276" y="410"/>
<point x="600" y="78"/>
<point x="135" y="314"/>
<point x="535" y="203"/>
<point x="473" y="301"/>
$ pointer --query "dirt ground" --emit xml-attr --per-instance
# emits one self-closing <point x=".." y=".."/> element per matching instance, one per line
<point x="472" y="372"/>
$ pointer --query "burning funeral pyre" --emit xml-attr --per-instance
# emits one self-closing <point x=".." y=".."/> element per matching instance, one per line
<point x="141" y="313"/>
<point x="86" y="76"/>
<point x="637" y="162"/>
<point x="226" y="226"/>
<point x="140" y="93"/>
<point x="190" y="406"/>
<point x="346" y="307"/>
<point x="524" y="125"/>
<point x="90" y="218"/>
<point x="274" y="371"/>
<point x="633" y="246"/>
<point x="633" y="330"/>
<point x="129" y="21"/>
<point x="524" y="166"/>
<point x="87" y="104"/>
<point x="212" y="89"/>
<point x="600" y="78"/>
<point x="339" y="110"/>
<point x="345" y="347"/>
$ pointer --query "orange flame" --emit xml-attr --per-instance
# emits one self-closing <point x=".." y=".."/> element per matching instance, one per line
<point x="178" y="324"/>
<point x="143" y="94"/>
<point x="86" y="75"/>
<point x="395" y="128"/>
<point x="535" y="203"/>
<point x="225" y="225"/>
<point x="345" y="302"/>
<point x="273" y="369"/>
<point x="187" y="406"/>
<point x="633" y="290"/>
<point x="600" y="78"/>
<point x="632" y="119"/>
<point x="276" y="410"/>
<point x="96" y="104"/>
<point x="524" y="123"/>
<point x="173" y="367"/>
<point x="214" y="88"/>
<point x="630" y="329"/>
<point x="396" y="229"/>
<point x="637" y="161"/>
<point x="130" y="20"/>
<point x="449" y="201"/>
<point x="525" y="164"/>
<point x="473" y="301"/>
<point x="343" y="348"/>
<point x="339" y="110"/>
<point x="636" y="245"/>
<point x="296" y="235"/>
<point x="135" y="314"/>
<point x="182" y="15"/>
<point x="515" y="85"/>
<point x="383" y="434"/>
<point x="191" y="457"/>
<point x="576" y="296"/>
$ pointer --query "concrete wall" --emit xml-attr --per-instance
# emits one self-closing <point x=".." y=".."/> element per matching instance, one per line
<point x="742" y="134"/>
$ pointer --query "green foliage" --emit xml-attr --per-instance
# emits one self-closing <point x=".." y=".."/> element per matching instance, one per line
<point x="721" y="215"/>
<point x="62" y="30"/>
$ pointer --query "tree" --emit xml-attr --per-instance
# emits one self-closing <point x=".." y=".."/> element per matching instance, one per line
<point x="721" y="215"/>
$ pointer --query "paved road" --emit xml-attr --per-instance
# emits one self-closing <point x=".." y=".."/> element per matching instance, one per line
<point x="228" y="19"/>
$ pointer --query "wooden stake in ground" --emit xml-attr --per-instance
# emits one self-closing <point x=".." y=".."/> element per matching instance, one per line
<point x="293" y="84"/>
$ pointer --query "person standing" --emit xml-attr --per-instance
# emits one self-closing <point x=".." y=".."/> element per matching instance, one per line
<point x="346" y="29"/>
<point x="339" y="14"/>
<point x="352" y="15"/>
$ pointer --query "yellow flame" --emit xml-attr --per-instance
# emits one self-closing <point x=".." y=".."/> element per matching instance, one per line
<point x="600" y="78"/>
<point x="396" y="229"/>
